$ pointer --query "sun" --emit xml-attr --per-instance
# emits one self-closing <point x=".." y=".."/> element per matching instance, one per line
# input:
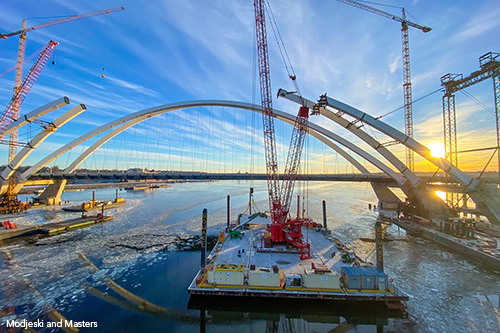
<point x="437" y="149"/>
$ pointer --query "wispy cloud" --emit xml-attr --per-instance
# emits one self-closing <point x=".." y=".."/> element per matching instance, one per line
<point x="481" y="22"/>
<point x="130" y="85"/>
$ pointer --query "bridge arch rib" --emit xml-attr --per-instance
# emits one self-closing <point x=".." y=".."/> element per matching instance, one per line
<point x="132" y="119"/>
<point x="413" y="180"/>
<point x="485" y="196"/>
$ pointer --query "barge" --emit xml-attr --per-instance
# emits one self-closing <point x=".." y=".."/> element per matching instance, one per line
<point x="52" y="228"/>
<point x="245" y="262"/>
<point x="465" y="236"/>
<point x="95" y="205"/>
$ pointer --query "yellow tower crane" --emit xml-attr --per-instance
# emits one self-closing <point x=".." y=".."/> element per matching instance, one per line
<point x="406" y="66"/>
<point x="10" y="199"/>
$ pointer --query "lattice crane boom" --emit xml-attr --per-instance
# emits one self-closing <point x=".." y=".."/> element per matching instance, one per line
<point x="407" y="91"/>
<point x="293" y="159"/>
<point x="281" y="229"/>
<point x="267" y="114"/>
<point x="20" y="94"/>
<point x="385" y="14"/>
<point x="62" y="20"/>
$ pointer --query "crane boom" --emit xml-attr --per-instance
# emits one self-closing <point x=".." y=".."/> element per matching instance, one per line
<point x="407" y="91"/>
<point x="62" y="20"/>
<point x="293" y="159"/>
<point x="385" y="14"/>
<point x="9" y="200"/>
<point x="267" y="114"/>
<point x="281" y="229"/>
<point x="20" y="94"/>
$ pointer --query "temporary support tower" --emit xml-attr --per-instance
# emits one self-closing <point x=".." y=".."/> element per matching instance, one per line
<point x="489" y="68"/>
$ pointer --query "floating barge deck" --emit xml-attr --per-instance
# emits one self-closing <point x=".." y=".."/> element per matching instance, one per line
<point x="53" y="228"/>
<point x="477" y="245"/>
<point x="95" y="206"/>
<point x="244" y="263"/>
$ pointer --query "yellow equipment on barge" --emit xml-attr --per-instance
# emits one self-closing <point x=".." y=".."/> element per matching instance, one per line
<point x="250" y="266"/>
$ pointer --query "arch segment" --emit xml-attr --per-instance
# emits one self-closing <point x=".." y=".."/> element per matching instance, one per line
<point x="486" y="197"/>
<point x="414" y="180"/>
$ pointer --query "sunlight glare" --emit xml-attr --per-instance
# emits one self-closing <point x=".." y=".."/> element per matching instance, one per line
<point x="437" y="149"/>
<point x="441" y="195"/>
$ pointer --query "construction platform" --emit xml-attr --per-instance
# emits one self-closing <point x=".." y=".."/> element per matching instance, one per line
<point x="245" y="263"/>
<point x="95" y="205"/>
<point x="475" y="244"/>
<point x="54" y="228"/>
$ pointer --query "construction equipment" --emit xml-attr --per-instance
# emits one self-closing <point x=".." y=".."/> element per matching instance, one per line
<point x="489" y="68"/>
<point x="406" y="67"/>
<point x="24" y="30"/>
<point x="20" y="94"/>
<point x="279" y="202"/>
<point x="10" y="199"/>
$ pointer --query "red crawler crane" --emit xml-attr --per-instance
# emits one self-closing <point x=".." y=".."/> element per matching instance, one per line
<point x="11" y="112"/>
<point x="20" y="93"/>
<point x="279" y="199"/>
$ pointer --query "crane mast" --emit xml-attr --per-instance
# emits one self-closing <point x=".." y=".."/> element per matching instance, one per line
<point x="11" y="112"/>
<point x="9" y="201"/>
<point x="293" y="159"/>
<point x="268" y="115"/>
<point x="407" y="91"/>
<point x="281" y="229"/>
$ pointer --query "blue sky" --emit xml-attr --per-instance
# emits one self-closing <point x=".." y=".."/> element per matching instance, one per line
<point x="158" y="52"/>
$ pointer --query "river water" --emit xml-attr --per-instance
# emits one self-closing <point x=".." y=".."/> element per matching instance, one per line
<point x="448" y="292"/>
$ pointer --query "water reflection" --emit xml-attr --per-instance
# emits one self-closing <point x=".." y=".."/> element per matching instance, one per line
<point x="290" y="315"/>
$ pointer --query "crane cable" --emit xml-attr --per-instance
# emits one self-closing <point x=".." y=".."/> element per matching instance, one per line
<point x="416" y="100"/>
<point x="281" y="46"/>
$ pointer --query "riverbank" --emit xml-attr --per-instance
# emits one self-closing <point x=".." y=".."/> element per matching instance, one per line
<point x="96" y="186"/>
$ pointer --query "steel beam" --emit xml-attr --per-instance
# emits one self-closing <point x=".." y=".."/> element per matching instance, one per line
<point x="413" y="180"/>
<point x="35" y="114"/>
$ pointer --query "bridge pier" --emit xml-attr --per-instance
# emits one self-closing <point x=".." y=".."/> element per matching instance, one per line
<point x="428" y="204"/>
<point x="386" y="198"/>
<point x="52" y="194"/>
<point x="431" y="205"/>
<point x="487" y="200"/>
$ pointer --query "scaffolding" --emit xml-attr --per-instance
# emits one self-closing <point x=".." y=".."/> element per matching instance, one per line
<point x="489" y="64"/>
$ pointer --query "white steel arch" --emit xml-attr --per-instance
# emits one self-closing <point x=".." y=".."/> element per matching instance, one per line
<point x="413" y="179"/>
<point x="486" y="197"/>
<point x="130" y="120"/>
<point x="39" y="138"/>
<point x="411" y="143"/>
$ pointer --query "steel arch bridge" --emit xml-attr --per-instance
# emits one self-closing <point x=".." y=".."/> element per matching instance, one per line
<point x="411" y="185"/>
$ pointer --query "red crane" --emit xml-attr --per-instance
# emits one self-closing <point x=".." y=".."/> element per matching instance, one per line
<point x="9" y="200"/>
<point x="279" y="199"/>
<point x="12" y="112"/>
<point x="9" y="113"/>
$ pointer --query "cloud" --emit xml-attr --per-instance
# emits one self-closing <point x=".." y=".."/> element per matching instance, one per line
<point x="479" y="24"/>
<point x="133" y="86"/>
<point x="394" y="64"/>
